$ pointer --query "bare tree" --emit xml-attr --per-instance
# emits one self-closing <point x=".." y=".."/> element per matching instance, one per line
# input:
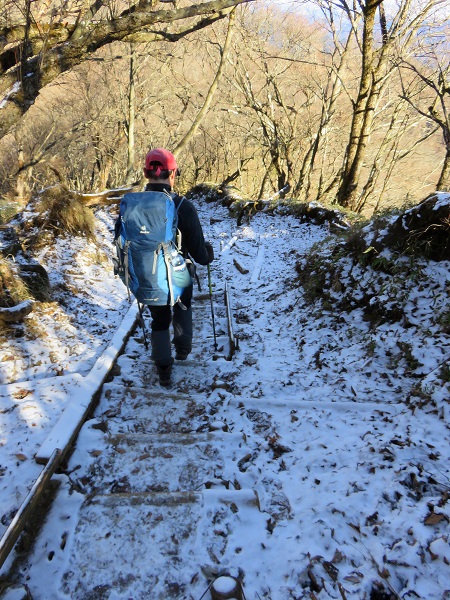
<point x="427" y="88"/>
<point x="131" y="121"/>
<point x="378" y="52"/>
<point x="265" y="96"/>
<point x="397" y="140"/>
<point x="213" y="87"/>
<point x="328" y="89"/>
<point x="70" y="43"/>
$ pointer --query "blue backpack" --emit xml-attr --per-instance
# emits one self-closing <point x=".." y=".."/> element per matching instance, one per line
<point x="148" y="248"/>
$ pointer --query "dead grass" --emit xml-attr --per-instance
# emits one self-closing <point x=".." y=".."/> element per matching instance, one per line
<point x="55" y="212"/>
<point x="12" y="289"/>
<point x="63" y="213"/>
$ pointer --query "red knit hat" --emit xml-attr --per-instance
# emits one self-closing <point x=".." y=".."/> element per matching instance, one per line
<point x="165" y="159"/>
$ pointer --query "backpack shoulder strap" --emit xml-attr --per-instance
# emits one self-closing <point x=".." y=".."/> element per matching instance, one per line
<point x="180" y="199"/>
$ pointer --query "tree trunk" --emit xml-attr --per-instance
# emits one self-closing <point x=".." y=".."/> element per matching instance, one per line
<point x="104" y="171"/>
<point x="443" y="184"/>
<point x="363" y="112"/>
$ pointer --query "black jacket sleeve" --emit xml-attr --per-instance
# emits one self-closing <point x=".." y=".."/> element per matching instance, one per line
<point x="192" y="239"/>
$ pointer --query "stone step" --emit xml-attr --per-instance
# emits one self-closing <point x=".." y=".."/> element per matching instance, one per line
<point x="184" y="532"/>
<point x="133" y="410"/>
<point x="168" y="463"/>
<point x="187" y="376"/>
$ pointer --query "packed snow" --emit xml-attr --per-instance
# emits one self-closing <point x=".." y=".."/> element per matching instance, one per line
<point x="345" y="423"/>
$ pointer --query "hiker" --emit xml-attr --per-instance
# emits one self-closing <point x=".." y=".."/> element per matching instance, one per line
<point x="160" y="170"/>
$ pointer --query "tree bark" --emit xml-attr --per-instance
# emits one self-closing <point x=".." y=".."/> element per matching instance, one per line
<point x="443" y="184"/>
<point x="363" y="112"/>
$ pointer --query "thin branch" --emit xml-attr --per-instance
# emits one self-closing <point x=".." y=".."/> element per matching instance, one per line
<point x="195" y="125"/>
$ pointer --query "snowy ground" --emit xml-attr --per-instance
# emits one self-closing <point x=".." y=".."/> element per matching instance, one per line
<point x="350" y="469"/>
<point x="43" y="361"/>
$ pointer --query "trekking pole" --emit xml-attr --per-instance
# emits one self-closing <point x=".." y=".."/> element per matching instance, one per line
<point x="144" y="332"/>
<point x="212" y="307"/>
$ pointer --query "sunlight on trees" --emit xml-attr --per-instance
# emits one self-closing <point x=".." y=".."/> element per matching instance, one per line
<point x="349" y="104"/>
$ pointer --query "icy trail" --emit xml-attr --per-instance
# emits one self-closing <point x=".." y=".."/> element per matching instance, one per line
<point x="296" y="466"/>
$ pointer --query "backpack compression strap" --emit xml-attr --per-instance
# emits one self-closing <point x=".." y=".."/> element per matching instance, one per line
<point x="178" y="240"/>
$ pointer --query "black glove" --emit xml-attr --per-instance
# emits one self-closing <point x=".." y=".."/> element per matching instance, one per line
<point x="210" y="251"/>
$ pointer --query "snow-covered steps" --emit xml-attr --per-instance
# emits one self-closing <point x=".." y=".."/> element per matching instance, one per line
<point x="163" y="499"/>
<point x="177" y="527"/>
<point x="161" y="507"/>
<point x="195" y="375"/>
<point x="143" y="410"/>
<point x="142" y="462"/>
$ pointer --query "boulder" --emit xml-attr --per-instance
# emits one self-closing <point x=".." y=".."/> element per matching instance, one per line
<point x="36" y="279"/>
<point x="423" y="229"/>
<point x="9" y="241"/>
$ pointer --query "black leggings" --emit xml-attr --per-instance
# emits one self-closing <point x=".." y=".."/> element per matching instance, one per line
<point x="162" y="315"/>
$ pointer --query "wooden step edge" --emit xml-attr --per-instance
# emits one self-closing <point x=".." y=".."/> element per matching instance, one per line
<point x="244" y="497"/>
<point x="183" y="439"/>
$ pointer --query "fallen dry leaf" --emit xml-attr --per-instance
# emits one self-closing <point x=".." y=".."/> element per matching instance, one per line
<point x="21" y="394"/>
<point x="434" y="518"/>
<point x="352" y="578"/>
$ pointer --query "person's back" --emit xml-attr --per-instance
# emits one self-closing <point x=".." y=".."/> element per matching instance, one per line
<point x="160" y="170"/>
<point x="152" y="266"/>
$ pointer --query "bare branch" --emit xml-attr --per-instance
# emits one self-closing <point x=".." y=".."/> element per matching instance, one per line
<point x="87" y="38"/>
<point x="195" y="125"/>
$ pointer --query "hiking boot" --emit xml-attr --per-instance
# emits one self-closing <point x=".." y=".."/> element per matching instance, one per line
<point x="164" y="374"/>
<point x="181" y="355"/>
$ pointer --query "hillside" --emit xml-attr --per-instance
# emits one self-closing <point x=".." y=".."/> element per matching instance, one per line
<point x="340" y="389"/>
